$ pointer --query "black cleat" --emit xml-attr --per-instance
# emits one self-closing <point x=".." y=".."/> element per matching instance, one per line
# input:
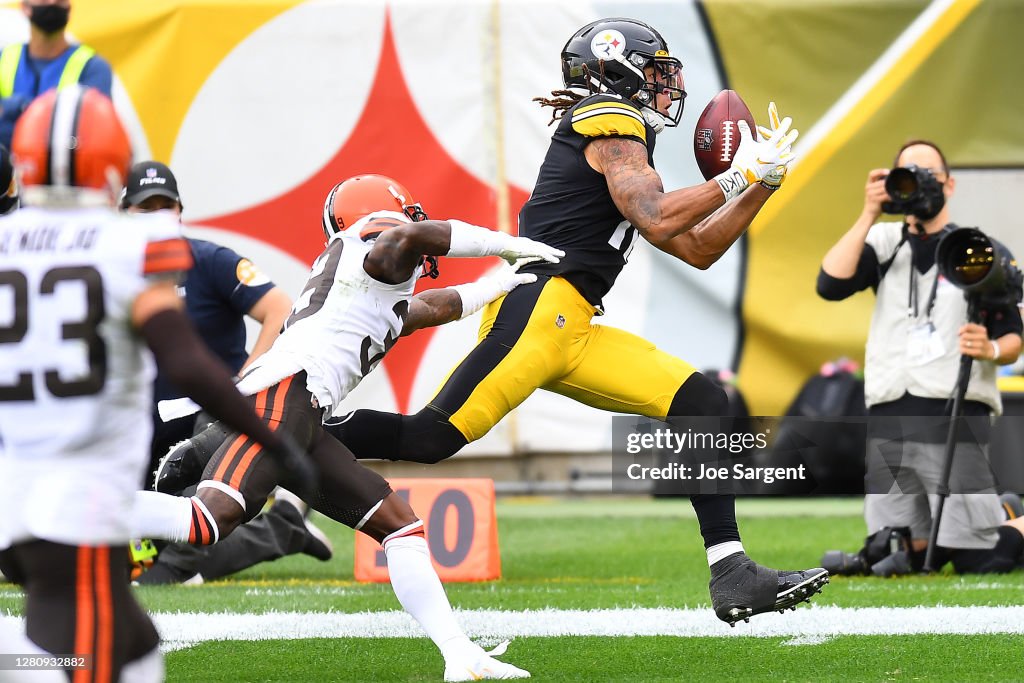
<point x="315" y="543"/>
<point x="178" y="470"/>
<point x="741" y="588"/>
<point x="183" y="465"/>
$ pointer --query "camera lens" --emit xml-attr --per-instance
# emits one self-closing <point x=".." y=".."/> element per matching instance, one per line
<point x="966" y="257"/>
<point x="901" y="184"/>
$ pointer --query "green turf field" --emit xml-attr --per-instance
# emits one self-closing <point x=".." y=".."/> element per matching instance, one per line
<point x="630" y="555"/>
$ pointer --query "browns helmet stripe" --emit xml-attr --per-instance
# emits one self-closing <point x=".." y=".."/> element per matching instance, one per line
<point x="64" y="136"/>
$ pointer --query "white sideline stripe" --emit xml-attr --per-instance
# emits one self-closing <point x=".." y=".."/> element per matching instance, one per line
<point x="808" y="625"/>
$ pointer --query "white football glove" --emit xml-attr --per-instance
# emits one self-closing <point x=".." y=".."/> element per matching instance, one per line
<point x="525" y="248"/>
<point x="476" y="295"/>
<point x="761" y="158"/>
<point x="472" y="240"/>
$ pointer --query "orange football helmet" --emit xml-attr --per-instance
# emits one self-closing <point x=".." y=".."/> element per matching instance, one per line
<point x="350" y="200"/>
<point x="71" y="138"/>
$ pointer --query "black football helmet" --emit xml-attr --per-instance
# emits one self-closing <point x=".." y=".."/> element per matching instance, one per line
<point x="610" y="55"/>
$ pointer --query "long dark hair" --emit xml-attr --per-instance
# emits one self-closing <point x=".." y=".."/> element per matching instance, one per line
<point x="562" y="101"/>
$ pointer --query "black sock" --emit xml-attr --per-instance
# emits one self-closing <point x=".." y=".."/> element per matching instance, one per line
<point x="699" y="396"/>
<point x="717" y="518"/>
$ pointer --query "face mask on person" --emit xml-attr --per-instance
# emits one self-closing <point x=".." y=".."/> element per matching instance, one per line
<point x="49" y="18"/>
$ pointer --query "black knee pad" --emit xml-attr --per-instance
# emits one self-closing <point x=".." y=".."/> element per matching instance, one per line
<point x="699" y="396"/>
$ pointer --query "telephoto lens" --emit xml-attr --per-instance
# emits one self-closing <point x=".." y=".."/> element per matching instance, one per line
<point x="839" y="563"/>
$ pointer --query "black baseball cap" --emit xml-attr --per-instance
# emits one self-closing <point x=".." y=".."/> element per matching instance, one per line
<point x="149" y="179"/>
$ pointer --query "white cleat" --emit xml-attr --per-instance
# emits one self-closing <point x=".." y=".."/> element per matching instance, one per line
<point x="482" y="666"/>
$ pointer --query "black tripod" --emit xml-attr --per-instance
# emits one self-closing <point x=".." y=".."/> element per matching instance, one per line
<point x="963" y="378"/>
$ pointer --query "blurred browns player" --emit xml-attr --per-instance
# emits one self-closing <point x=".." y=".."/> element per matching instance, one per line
<point x="89" y="290"/>
<point x="596" y="192"/>
<point x="356" y="304"/>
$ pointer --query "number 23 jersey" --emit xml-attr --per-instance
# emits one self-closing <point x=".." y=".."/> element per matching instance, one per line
<point x="342" y="324"/>
<point x="75" y="377"/>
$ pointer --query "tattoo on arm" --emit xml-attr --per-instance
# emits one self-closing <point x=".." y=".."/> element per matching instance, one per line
<point x="635" y="187"/>
<point x="431" y="308"/>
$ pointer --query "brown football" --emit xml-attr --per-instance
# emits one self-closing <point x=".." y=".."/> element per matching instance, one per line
<point x="716" y="137"/>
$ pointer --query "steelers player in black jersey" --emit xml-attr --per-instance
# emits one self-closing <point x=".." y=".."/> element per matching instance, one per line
<point x="596" y="193"/>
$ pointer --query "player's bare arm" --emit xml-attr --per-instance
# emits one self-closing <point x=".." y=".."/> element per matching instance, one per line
<point x="431" y="308"/>
<point x="706" y="242"/>
<point x="396" y="253"/>
<point x="639" y="194"/>
<point x="272" y="309"/>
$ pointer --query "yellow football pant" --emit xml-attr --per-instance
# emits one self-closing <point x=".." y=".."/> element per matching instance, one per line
<point x="541" y="337"/>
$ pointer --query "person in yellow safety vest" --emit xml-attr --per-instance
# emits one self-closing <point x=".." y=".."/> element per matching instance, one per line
<point x="46" y="61"/>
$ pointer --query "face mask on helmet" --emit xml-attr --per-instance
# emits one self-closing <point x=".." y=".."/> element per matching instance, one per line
<point x="630" y="59"/>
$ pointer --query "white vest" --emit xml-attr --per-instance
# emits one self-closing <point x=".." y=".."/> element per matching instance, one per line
<point x="887" y="372"/>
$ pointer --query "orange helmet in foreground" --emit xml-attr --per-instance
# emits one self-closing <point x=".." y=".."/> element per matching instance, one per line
<point x="360" y="195"/>
<point x="71" y="138"/>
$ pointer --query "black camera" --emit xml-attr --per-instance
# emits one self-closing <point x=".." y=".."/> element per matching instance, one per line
<point x="983" y="268"/>
<point x="914" y="191"/>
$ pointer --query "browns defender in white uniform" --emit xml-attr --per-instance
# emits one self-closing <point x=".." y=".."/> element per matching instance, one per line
<point x="357" y="302"/>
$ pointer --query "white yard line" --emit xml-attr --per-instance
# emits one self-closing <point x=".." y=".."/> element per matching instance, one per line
<point x="807" y="626"/>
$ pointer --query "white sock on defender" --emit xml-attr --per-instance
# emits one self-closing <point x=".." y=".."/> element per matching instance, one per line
<point x="721" y="551"/>
<point x="420" y="591"/>
<point x="159" y="515"/>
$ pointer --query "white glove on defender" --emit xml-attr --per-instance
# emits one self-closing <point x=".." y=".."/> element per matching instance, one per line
<point x="472" y="240"/>
<point x="476" y="295"/>
<point x="764" y="158"/>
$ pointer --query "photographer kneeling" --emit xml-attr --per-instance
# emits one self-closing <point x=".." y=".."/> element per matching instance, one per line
<point x="917" y="335"/>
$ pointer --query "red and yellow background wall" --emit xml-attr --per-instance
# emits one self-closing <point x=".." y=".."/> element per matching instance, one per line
<point x="260" y="106"/>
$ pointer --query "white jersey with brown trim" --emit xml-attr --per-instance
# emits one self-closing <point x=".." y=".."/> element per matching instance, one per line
<point x="75" y="377"/>
<point x="342" y="324"/>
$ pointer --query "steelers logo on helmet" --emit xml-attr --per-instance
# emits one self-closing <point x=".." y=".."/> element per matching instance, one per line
<point x="630" y="59"/>
<point x="608" y="44"/>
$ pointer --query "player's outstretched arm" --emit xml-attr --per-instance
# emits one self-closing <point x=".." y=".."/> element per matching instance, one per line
<point x="661" y="216"/>
<point x="707" y="241"/>
<point x="397" y="252"/>
<point x="439" y="306"/>
<point x="640" y="196"/>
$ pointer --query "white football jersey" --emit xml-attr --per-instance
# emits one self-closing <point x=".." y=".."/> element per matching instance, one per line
<point x="342" y="324"/>
<point x="75" y="379"/>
